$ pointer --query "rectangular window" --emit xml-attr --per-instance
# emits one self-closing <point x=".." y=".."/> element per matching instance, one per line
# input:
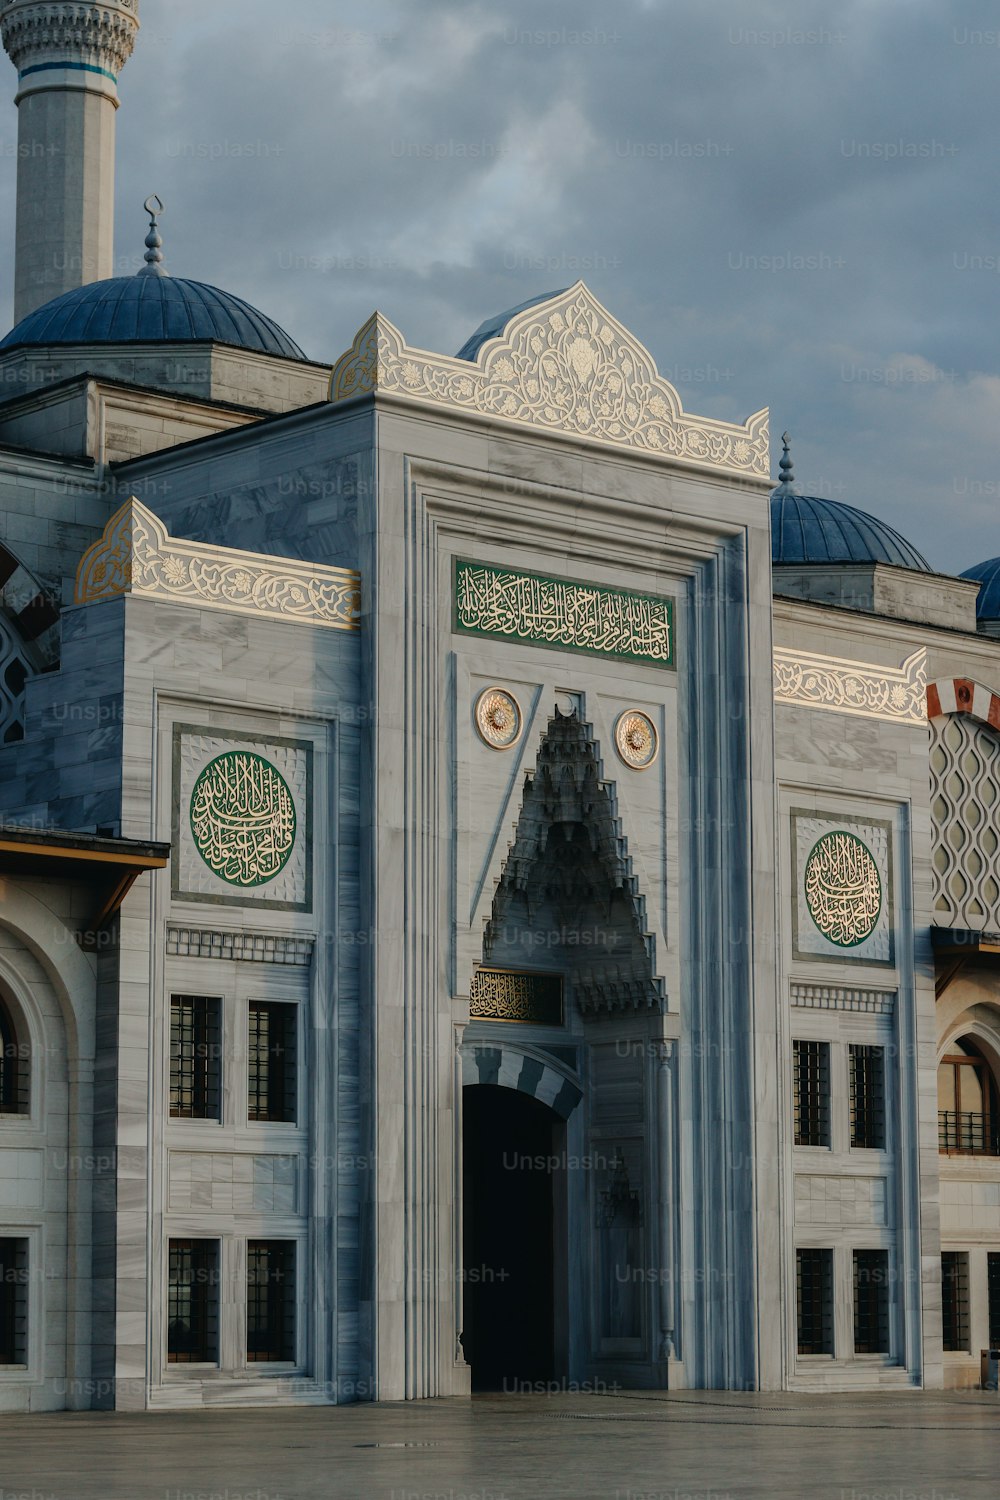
<point x="271" y="1062"/>
<point x="867" y="1097"/>
<point x="812" y="1093"/>
<point x="955" y="1300"/>
<point x="271" y="1301"/>
<point x="993" y="1287"/>
<point x="871" y="1302"/>
<point x="814" y="1300"/>
<point x="193" y="1302"/>
<point x="195" y="1057"/>
<point x="13" y="1302"/>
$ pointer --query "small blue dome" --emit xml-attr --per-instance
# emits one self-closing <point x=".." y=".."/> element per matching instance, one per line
<point x="494" y="326"/>
<point x="151" y="309"/>
<point x="988" y="574"/>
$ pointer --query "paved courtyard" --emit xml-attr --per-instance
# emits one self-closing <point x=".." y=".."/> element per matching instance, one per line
<point x="637" y="1446"/>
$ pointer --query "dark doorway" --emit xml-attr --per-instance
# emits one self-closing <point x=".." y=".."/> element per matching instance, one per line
<point x="509" y="1314"/>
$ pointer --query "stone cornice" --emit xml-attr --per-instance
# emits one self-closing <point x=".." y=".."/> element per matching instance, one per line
<point x="565" y="366"/>
<point x="136" y="555"/>
<point x="33" y="32"/>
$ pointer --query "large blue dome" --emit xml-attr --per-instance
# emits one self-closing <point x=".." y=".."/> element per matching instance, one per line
<point x="806" y="529"/>
<point x="988" y="602"/>
<point x="151" y="309"/>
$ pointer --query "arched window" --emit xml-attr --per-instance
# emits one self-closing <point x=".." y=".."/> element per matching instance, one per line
<point x="968" y="1114"/>
<point x="15" y="1070"/>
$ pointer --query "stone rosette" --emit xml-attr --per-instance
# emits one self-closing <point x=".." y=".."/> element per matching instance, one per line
<point x="636" y="739"/>
<point x="499" y="721"/>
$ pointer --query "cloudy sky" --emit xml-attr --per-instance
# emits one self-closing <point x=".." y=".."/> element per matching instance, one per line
<point x="789" y="210"/>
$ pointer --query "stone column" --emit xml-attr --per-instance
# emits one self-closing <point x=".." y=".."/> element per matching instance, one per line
<point x="68" y="57"/>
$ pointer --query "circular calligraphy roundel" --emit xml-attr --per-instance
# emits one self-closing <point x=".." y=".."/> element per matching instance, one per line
<point x="243" y="818"/>
<point x="843" y="889"/>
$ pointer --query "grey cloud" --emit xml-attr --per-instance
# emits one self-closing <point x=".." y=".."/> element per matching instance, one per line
<point x="792" y="205"/>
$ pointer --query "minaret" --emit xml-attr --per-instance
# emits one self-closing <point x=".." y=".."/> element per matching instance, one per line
<point x="68" y="57"/>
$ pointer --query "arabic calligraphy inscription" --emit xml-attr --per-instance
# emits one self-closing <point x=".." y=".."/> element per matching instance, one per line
<point x="243" y="818"/>
<point x="541" y="611"/>
<point x="843" y="889"/>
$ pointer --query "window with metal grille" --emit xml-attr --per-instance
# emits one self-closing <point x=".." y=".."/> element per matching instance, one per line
<point x="15" y="1066"/>
<point x="955" y="1300"/>
<point x="867" y="1065"/>
<point x="812" y="1093"/>
<point x="195" y="1057"/>
<point x="13" y="1302"/>
<point x="271" y="1301"/>
<point x="271" y="1061"/>
<point x="193" y="1302"/>
<point x="993" y="1289"/>
<point x="814" y="1300"/>
<point x="871" y="1302"/>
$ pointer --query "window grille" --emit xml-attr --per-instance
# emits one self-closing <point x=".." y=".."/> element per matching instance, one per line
<point x="955" y="1300"/>
<point x="193" y="1302"/>
<point x="15" y="1067"/>
<point x="271" y="1062"/>
<point x="867" y="1065"/>
<point x="195" y="1057"/>
<point x="993" y="1289"/>
<point x="271" y="1301"/>
<point x="871" y="1302"/>
<point x="13" y="1301"/>
<point x="812" y="1093"/>
<point x="814" y="1300"/>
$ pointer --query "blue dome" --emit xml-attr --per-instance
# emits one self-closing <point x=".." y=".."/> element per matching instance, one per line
<point x="805" y="529"/>
<point x="151" y="309"/>
<point x="494" y="326"/>
<point x="988" y="602"/>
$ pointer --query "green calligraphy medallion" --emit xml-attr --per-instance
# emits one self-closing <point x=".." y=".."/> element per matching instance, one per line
<point x="243" y="818"/>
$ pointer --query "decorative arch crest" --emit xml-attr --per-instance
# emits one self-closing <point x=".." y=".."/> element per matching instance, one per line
<point x="565" y="365"/>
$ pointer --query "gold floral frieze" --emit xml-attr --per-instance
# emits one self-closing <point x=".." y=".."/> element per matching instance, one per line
<point x="511" y="995"/>
<point x="897" y="695"/>
<point x="567" y="366"/>
<point x="136" y="555"/>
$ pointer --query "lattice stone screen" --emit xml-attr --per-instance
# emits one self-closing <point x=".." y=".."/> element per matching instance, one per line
<point x="965" y="808"/>
<point x="14" y="673"/>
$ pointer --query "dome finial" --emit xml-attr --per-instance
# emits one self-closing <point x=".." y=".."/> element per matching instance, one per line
<point x="787" y="482"/>
<point x="154" y="240"/>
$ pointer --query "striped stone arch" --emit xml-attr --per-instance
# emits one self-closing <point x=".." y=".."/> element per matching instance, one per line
<point x="508" y="1067"/>
<point x="965" y="803"/>
<point x="961" y="695"/>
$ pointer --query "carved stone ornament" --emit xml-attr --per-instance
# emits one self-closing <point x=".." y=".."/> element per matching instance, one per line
<point x="32" y="31"/>
<point x="897" y="695"/>
<point x="136" y="555"/>
<point x="567" y="366"/>
<point x="498" y="718"/>
<point x="636" y="739"/>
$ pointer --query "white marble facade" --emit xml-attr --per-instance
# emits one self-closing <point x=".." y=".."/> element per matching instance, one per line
<point x="563" y="733"/>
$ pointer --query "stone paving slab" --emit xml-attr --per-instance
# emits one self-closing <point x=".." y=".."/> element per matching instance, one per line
<point x="641" y="1446"/>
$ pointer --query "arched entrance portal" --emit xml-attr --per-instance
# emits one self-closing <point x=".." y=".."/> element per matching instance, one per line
<point x="514" y="1218"/>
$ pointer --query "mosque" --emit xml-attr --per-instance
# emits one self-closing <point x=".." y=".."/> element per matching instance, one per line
<point x="493" y="893"/>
